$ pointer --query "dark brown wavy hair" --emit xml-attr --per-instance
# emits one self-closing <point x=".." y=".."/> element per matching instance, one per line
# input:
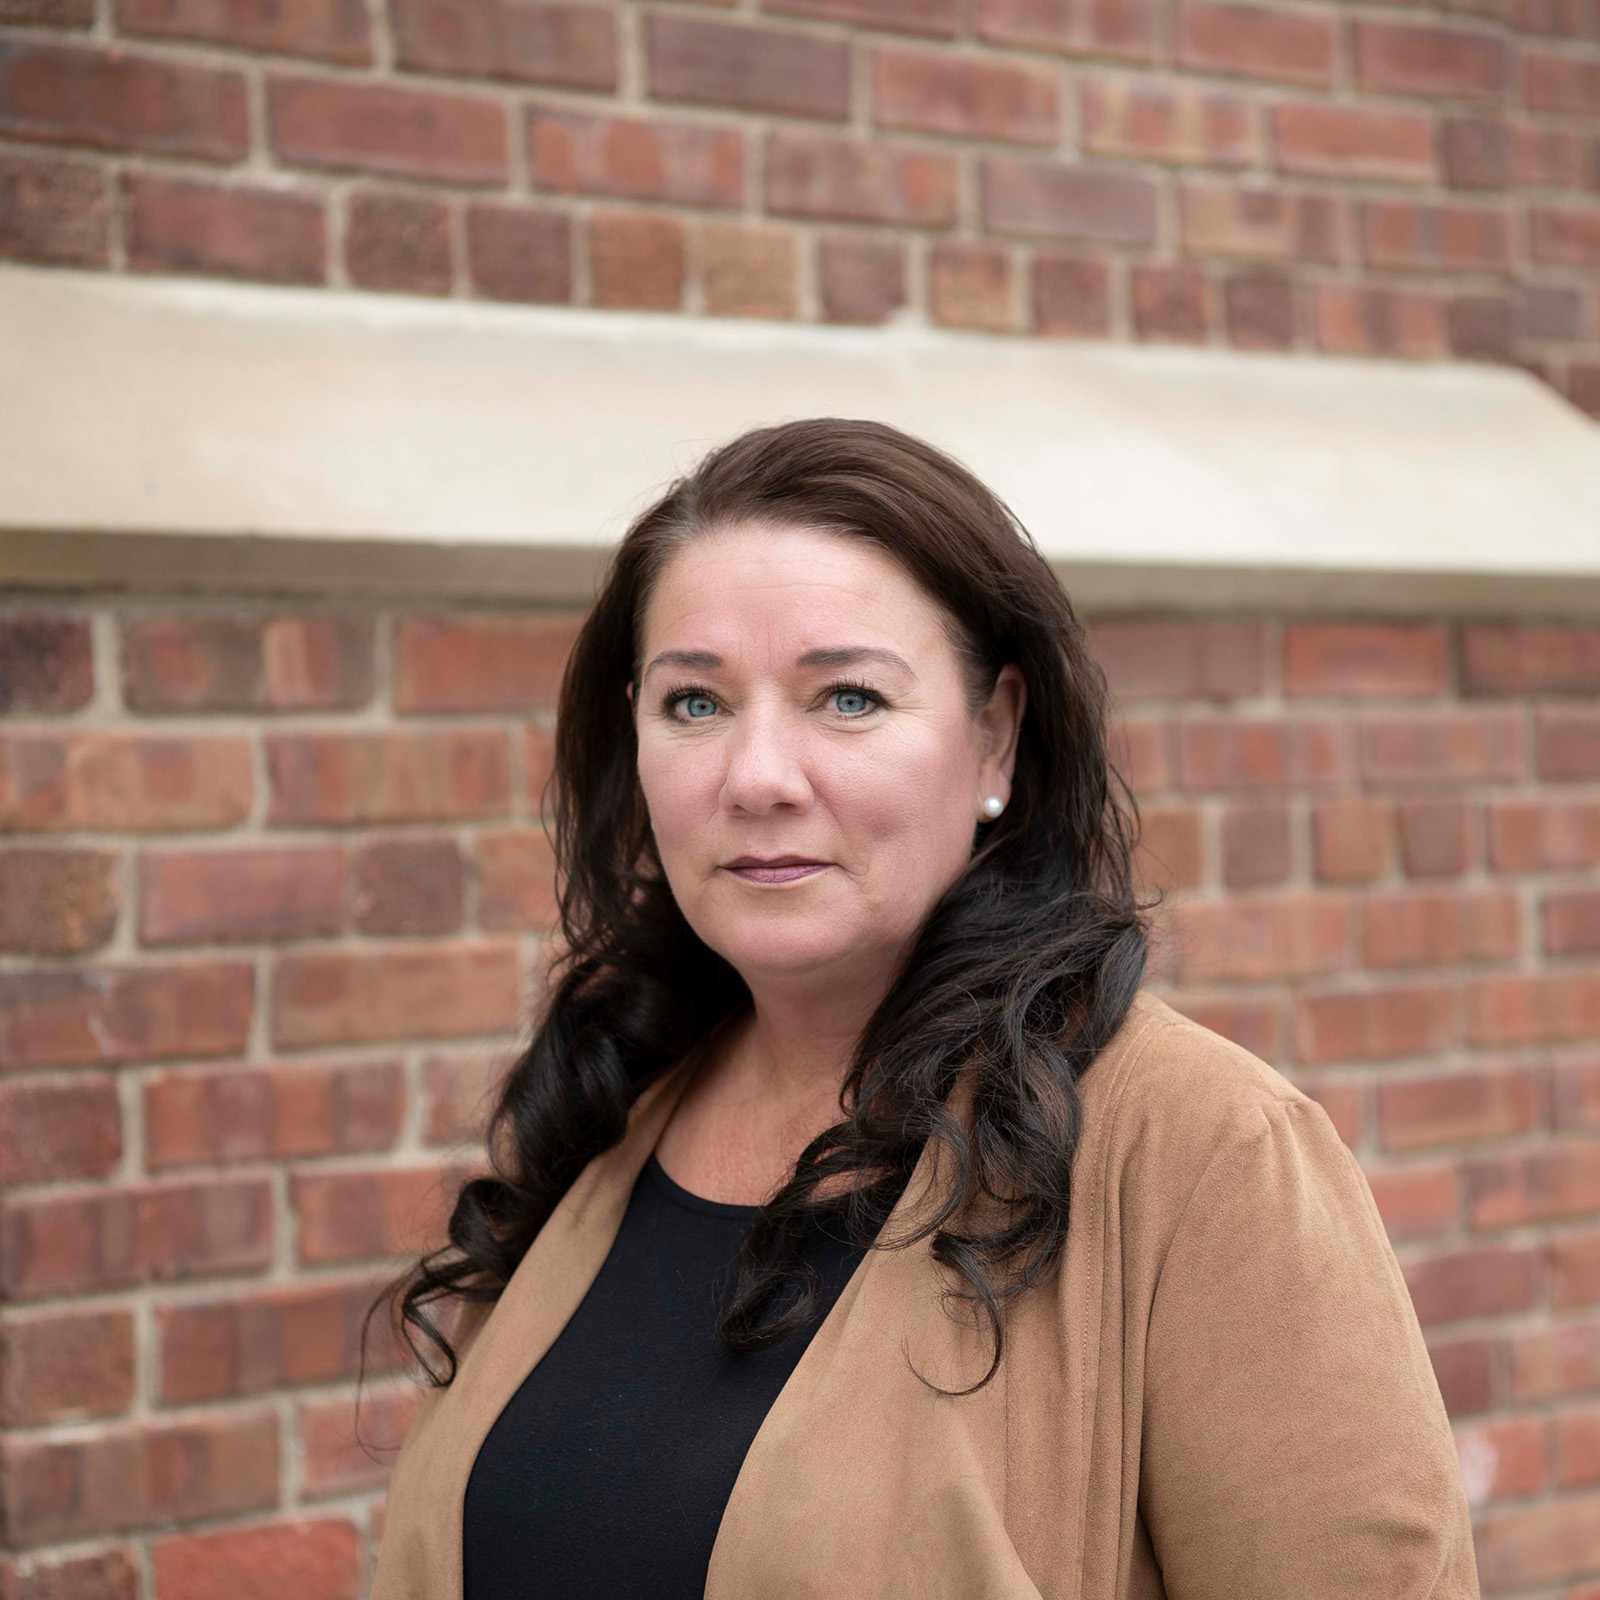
<point x="1021" y="972"/>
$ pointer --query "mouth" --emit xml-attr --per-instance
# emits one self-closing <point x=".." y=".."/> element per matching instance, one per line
<point x="775" y="869"/>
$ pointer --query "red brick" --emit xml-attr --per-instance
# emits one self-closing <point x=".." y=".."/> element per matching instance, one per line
<point x="346" y="125"/>
<point x="1051" y="199"/>
<point x="339" y="1453"/>
<point x="430" y="992"/>
<point x="1128" y="117"/>
<point x="65" y="1368"/>
<point x="1345" y="1104"/>
<point x="520" y="252"/>
<point x="751" y="68"/>
<point x="271" y="1338"/>
<point x="1574" y="1270"/>
<point x="108" y="1575"/>
<point x="55" y="212"/>
<point x="227" y="896"/>
<point x="367" y="777"/>
<point x="1257" y="1025"/>
<point x="71" y="1241"/>
<point x="637" y="261"/>
<point x="1071" y="296"/>
<point x="1376" y="319"/>
<point x="857" y="180"/>
<point x="1254" y="42"/>
<point x="1477" y="152"/>
<point x="1125" y="28"/>
<point x="1457" y="1108"/>
<point x="1516" y="659"/>
<point x="220" y="1118"/>
<point x="969" y="286"/>
<point x="1340" y="141"/>
<point x="1571" y="922"/>
<point x="1578" y="1450"/>
<point x="860" y="280"/>
<point x="1512" y="1457"/>
<point x="1170" y="301"/>
<point x="971" y="98"/>
<point x="1225" y="219"/>
<point x="1543" y="836"/>
<point x="573" y="46"/>
<point x="312" y="1560"/>
<point x="1449" y="746"/>
<point x="1256" y="846"/>
<point x="1583" y="387"/>
<point x="940" y="17"/>
<point x="57" y="1016"/>
<point x="246" y="662"/>
<point x="46" y="14"/>
<point x="398" y="242"/>
<point x="122" y="783"/>
<point x="460" y="1091"/>
<point x="411" y="886"/>
<point x="1491" y="1281"/>
<point x="1546" y="1185"/>
<point x="574" y="152"/>
<point x="1417" y="1201"/>
<point x="1350" y="840"/>
<point x="1141" y="750"/>
<point x="330" y="30"/>
<point x="1553" y="158"/>
<point x="58" y="902"/>
<point x="109" y="100"/>
<point x="1252" y="938"/>
<point x="1404" y="236"/>
<point x="352" y="1216"/>
<point x="134" y="1474"/>
<point x="517" y="871"/>
<point x="460" y="662"/>
<point x="1550" y="311"/>
<point x="46" y="658"/>
<point x="1561" y="83"/>
<point x="1375" y="1024"/>
<point x="1545" y="1009"/>
<point x="1171" y="847"/>
<point x="1574" y="19"/>
<point x="1403" y="58"/>
<point x="1259" y="310"/>
<point x="1564" y="238"/>
<point x="1465" y="1369"/>
<point x="1483" y="327"/>
<point x="1439" y="929"/>
<point x="748" y="271"/>
<point x="1438" y="837"/>
<point x="1553" y="1361"/>
<point x="1249" y="753"/>
<point x="1568" y="743"/>
<point x="539" y="751"/>
<point x="51" y="1130"/>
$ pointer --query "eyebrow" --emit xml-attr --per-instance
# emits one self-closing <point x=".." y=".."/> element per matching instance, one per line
<point x="848" y="655"/>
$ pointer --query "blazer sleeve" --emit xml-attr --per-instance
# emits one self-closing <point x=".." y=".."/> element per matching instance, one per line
<point x="1294" y="1438"/>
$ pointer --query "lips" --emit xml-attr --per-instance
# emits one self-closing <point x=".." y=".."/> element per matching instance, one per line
<point x="775" y="869"/>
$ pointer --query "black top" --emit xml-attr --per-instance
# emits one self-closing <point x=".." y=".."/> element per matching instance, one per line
<point x="608" y="1471"/>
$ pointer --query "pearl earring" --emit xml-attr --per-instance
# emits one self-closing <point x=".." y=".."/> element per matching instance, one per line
<point x="993" y="806"/>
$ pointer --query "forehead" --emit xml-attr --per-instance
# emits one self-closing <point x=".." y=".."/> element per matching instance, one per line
<point x="795" y="585"/>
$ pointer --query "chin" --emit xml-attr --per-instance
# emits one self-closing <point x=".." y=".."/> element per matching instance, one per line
<point x="779" y="952"/>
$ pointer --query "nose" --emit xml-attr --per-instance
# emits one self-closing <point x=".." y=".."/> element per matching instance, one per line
<point x="765" y="769"/>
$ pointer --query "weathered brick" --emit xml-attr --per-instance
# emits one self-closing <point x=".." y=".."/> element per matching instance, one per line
<point x="1519" y="659"/>
<point x="330" y="30"/>
<point x="106" y="1575"/>
<point x="56" y="212"/>
<point x="217" y="1118"/>
<point x="337" y="1454"/>
<point x="573" y="46"/>
<point x="1439" y="836"/>
<point x="272" y="1338"/>
<point x="637" y="261"/>
<point x="463" y="662"/>
<point x="1477" y="152"/>
<point x="1571" y="922"/>
<point x="246" y="662"/>
<point x="122" y="783"/>
<point x="1375" y="1024"/>
<point x="1162" y="122"/>
<point x="520" y="252"/>
<point x="429" y="992"/>
<point x="1257" y="42"/>
<point x="1142" y="751"/>
<point x="1345" y="1104"/>
<point x="1180" y="660"/>
<point x="1553" y="158"/>
<point x="72" y="1241"/>
<point x="1457" y="1108"/>
<point x="857" y="180"/>
<point x="1255" y="1024"/>
<point x="1575" y="1094"/>
<point x="1247" y="753"/>
<point x="1547" y="1363"/>
<point x="312" y="1559"/>
<point x="941" y="17"/>
<point x="1439" y="928"/>
<point x="411" y="886"/>
<point x="1171" y="851"/>
<point x="575" y="152"/>
<point x="749" y="271"/>
<point x="969" y="286"/>
<point x="1260" y="938"/>
<point x="517" y="887"/>
<point x="406" y="776"/>
<point x="1404" y="236"/>
<point x="1491" y="1281"/>
<point x="1417" y="1201"/>
<point x="1561" y="83"/>
<point x="398" y="242"/>
<point x="1170" y="302"/>
<point x="1071" y="296"/>
<point x="1543" y="836"/>
<point x="976" y="99"/>
<point x="1550" y="311"/>
<point x="1406" y="58"/>
<point x="460" y="1090"/>
<point x="58" y="1016"/>
<point x="110" y="100"/>
<point x="1482" y="327"/>
<point x="1564" y="238"/>
<point x="753" y="68"/>
<point x="1257" y="845"/>
<point x="342" y="124"/>
<point x="860" y="280"/>
<point x="1051" y="199"/>
<point x="1351" y="840"/>
<point x="1466" y="1370"/>
<point x="46" y="657"/>
<point x="1364" y="658"/>
<point x="1124" y="28"/>
<point x="1259" y="310"/>
<point x="65" y="1368"/>
<point x="1225" y="219"/>
<point x="1327" y="140"/>
<point x="1512" y="1457"/>
<point x="1439" y="747"/>
<point x="266" y="234"/>
<point x="1529" y="1187"/>
<point x="1567" y="743"/>
<point x="1574" y="1270"/>
<point x="58" y="902"/>
<point x="353" y="1216"/>
<point x="228" y="896"/>
<point x="51" y="1130"/>
<point x="46" y="14"/>
<point x="1545" y="1008"/>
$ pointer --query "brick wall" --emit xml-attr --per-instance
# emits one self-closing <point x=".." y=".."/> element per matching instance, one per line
<point x="272" y="888"/>
<point x="1354" y="178"/>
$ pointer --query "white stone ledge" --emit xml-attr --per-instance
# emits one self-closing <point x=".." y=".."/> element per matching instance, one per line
<point x="186" y="435"/>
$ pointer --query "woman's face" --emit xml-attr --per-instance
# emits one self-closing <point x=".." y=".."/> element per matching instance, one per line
<point x="811" y="769"/>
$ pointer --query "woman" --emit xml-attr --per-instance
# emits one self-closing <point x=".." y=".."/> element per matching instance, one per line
<point x="857" y="1226"/>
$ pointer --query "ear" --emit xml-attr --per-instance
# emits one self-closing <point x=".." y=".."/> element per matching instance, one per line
<point x="999" y="726"/>
<point x="629" y="692"/>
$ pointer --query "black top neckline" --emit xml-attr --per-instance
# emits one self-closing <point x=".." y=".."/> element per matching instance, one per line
<point x="657" y="1174"/>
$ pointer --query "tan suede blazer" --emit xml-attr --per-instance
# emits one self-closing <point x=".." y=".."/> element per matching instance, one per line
<point x="1223" y="1395"/>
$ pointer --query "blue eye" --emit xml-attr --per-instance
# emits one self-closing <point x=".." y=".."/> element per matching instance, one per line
<point x="708" y="707"/>
<point x="852" y="702"/>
